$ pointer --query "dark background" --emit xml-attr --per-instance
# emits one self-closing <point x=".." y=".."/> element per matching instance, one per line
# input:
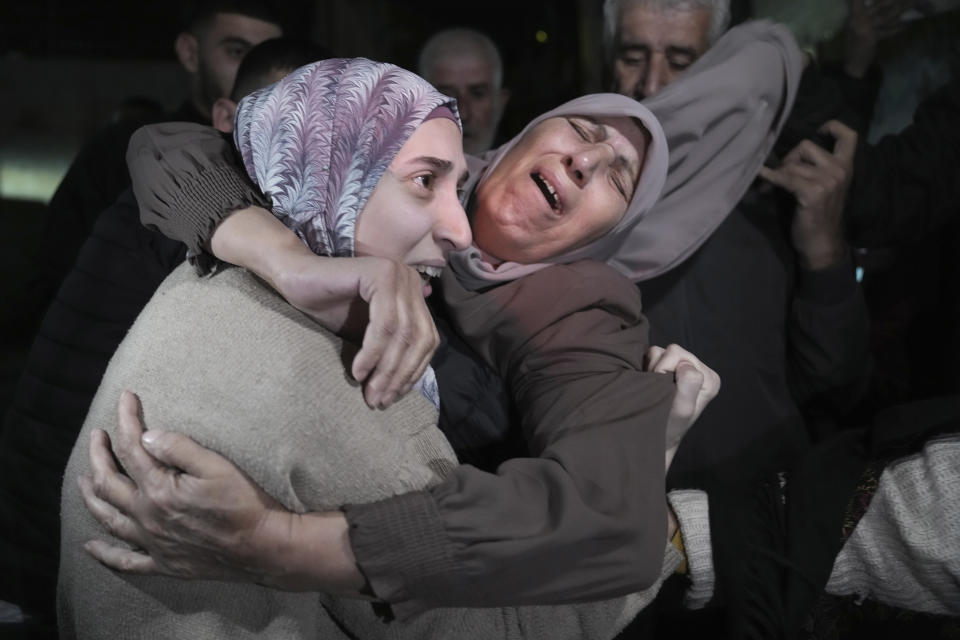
<point x="67" y="66"/>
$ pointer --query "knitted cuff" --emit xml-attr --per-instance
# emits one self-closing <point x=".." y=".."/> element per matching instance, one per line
<point x="206" y="199"/>
<point x="693" y="513"/>
<point x="399" y="543"/>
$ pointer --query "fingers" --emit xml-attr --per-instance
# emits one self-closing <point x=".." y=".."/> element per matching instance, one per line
<point x="845" y="147"/>
<point x="134" y="458"/>
<point x="109" y="482"/>
<point x="653" y="357"/>
<point x="812" y="173"/>
<point x="115" y="522"/>
<point x="709" y="387"/>
<point x="671" y="357"/>
<point x="402" y="362"/>
<point x="180" y="452"/>
<point x="121" y="559"/>
<point x="400" y="338"/>
<point x="808" y="152"/>
<point x="690" y="373"/>
<point x="689" y="381"/>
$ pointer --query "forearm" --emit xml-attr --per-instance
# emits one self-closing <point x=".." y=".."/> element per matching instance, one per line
<point x="824" y="250"/>
<point x="328" y="289"/>
<point x="526" y="535"/>
<point x="828" y="332"/>
<point x="254" y="239"/>
<point x="308" y="552"/>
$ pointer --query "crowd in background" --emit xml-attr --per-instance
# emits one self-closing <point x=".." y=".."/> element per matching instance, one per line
<point x="824" y="298"/>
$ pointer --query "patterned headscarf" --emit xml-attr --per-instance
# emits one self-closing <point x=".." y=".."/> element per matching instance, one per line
<point x="318" y="141"/>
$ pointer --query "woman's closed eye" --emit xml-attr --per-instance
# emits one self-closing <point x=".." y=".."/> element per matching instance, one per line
<point x="619" y="184"/>
<point x="587" y="130"/>
<point x="579" y="129"/>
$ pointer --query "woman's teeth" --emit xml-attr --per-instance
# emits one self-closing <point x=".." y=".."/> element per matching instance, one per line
<point x="548" y="191"/>
<point x="427" y="272"/>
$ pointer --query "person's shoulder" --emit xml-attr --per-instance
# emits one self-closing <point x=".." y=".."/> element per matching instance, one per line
<point x="594" y="277"/>
<point x="563" y="289"/>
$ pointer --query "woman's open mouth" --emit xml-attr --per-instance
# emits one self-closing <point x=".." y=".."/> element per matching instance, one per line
<point x="427" y="272"/>
<point x="548" y="191"/>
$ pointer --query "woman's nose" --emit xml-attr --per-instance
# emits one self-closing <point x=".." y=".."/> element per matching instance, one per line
<point x="584" y="163"/>
<point x="453" y="227"/>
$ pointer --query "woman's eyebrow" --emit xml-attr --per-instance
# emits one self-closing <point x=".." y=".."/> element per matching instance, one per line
<point x="599" y="130"/>
<point x="439" y="165"/>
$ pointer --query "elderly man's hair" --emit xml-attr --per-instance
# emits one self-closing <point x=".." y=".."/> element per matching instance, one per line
<point x="453" y="41"/>
<point x="719" y="16"/>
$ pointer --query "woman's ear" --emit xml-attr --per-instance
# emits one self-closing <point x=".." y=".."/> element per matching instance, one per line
<point x="188" y="51"/>
<point x="224" y="110"/>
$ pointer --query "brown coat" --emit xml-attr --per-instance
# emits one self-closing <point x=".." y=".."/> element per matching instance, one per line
<point x="586" y="517"/>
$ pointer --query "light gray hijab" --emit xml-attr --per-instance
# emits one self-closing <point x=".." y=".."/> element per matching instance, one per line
<point x="719" y="122"/>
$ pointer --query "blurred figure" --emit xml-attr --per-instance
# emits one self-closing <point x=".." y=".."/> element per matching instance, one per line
<point x="119" y="267"/>
<point x="770" y="299"/>
<point x="902" y="214"/>
<point x="466" y="65"/>
<point x="215" y="37"/>
<point x="266" y="63"/>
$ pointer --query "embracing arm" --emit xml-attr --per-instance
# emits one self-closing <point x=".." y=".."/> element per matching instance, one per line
<point x="585" y="519"/>
<point x="190" y="185"/>
<point x="168" y="507"/>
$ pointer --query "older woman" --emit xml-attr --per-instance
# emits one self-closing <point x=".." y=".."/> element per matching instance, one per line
<point x="586" y="518"/>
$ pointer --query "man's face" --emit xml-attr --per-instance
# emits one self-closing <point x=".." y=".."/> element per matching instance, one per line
<point x="655" y="46"/>
<point x="469" y="77"/>
<point x="221" y="47"/>
<point x="567" y="182"/>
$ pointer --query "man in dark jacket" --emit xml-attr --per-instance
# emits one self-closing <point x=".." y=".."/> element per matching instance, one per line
<point x="216" y="36"/>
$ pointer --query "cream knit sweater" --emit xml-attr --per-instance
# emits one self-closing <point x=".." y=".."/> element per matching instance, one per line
<point x="229" y="363"/>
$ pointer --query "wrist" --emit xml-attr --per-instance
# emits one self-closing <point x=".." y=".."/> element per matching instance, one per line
<point x="308" y="552"/>
<point x="822" y="257"/>
<point x="254" y="239"/>
<point x="858" y="56"/>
